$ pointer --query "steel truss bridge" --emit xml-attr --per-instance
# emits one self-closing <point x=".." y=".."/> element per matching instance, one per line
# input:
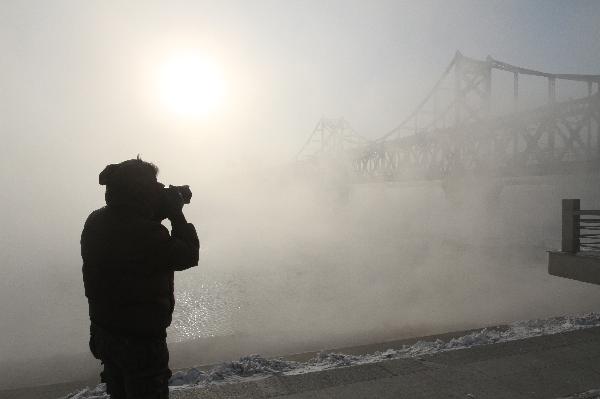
<point x="453" y="131"/>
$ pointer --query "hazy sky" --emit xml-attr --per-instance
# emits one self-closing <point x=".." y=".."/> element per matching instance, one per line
<point x="78" y="76"/>
<point x="78" y="91"/>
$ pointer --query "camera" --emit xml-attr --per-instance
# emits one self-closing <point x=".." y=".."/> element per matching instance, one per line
<point x="184" y="192"/>
<point x="165" y="203"/>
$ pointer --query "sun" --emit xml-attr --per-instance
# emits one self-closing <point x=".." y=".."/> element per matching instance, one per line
<point x="190" y="85"/>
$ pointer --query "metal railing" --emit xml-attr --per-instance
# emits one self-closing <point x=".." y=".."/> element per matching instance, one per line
<point x="580" y="228"/>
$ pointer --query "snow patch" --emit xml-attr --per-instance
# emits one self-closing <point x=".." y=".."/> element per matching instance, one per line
<point x="99" y="392"/>
<point x="591" y="394"/>
<point x="247" y="366"/>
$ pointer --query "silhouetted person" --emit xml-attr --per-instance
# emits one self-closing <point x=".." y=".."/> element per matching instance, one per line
<point x="129" y="259"/>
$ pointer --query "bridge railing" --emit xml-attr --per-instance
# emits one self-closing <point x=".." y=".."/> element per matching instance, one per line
<point x="580" y="228"/>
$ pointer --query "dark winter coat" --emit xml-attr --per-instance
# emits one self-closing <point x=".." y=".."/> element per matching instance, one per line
<point x="128" y="266"/>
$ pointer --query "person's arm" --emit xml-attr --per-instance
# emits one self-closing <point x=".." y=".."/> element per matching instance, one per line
<point x="185" y="246"/>
<point x="178" y="251"/>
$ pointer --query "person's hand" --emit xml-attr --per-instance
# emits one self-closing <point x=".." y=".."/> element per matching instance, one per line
<point x="174" y="203"/>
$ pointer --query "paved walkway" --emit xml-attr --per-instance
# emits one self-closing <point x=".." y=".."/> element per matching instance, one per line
<point x="542" y="367"/>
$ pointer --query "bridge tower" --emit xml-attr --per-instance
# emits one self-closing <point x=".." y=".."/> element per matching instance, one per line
<point x="462" y="95"/>
<point x="472" y="89"/>
<point x="332" y="138"/>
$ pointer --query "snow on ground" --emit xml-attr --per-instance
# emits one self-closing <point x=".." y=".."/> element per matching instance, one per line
<point x="256" y="366"/>
<point x="591" y="394"/>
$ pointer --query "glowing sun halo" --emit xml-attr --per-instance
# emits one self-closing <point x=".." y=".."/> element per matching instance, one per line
<point x="190" y="85"/>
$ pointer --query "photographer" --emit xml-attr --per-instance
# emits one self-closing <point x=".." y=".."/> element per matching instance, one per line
<point x="129" y="260"/>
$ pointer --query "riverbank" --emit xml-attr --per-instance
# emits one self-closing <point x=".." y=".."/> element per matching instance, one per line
<point x="541" y="345"/>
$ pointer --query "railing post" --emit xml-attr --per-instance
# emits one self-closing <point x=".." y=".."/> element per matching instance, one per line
<point x="570" y="225"/>
<point x="590" y="117"/>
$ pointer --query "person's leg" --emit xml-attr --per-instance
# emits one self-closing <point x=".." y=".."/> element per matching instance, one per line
<point x="147" y="373"/>
<point x="113" y="377"/>
<point x="104" y="347"/>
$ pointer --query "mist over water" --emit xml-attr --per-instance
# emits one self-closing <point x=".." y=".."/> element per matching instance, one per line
<point x="303" y="262"/>
<point x="298" y="259"/>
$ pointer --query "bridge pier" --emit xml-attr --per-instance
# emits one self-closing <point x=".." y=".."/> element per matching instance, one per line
<point x="462" y="189"/>
<point x="516" y="91"/>
<point x="551" y="90"/>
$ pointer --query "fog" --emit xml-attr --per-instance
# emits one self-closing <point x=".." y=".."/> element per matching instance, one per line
<point x="294" y="256"/>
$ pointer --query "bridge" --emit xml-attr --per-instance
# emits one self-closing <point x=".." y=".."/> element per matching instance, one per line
<point x="455" y="132"/>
